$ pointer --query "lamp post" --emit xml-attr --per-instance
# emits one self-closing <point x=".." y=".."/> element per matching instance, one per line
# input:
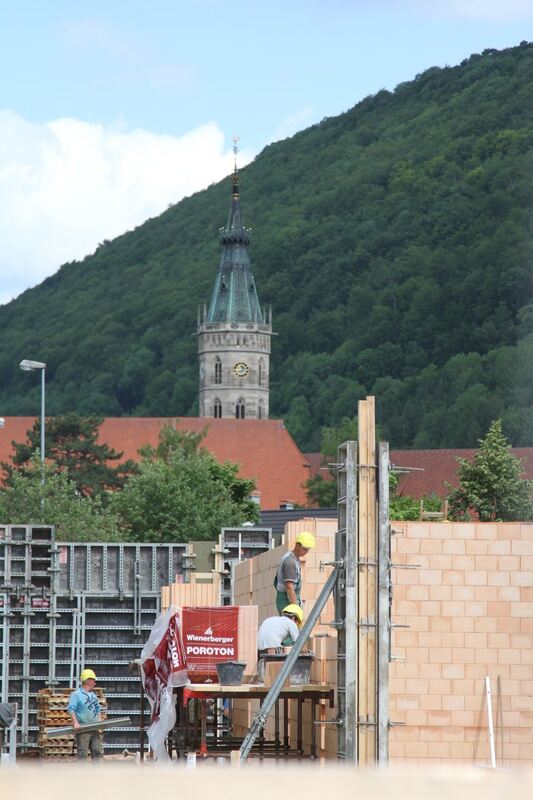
<point x="29" y="366"/>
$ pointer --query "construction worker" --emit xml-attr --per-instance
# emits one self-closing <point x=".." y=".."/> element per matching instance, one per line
<point x="275" y="630"/>
<point x="288" y="580"/>
<point x="84" y="708"/>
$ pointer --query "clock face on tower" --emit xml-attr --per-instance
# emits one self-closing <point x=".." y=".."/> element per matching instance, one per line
<point x="241" y="369"/>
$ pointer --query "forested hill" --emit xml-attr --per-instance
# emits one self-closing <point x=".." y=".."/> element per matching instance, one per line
<point x="394" y="243"/>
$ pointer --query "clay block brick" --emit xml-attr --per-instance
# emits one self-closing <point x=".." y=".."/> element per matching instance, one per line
<point x="453" y="703"/>
<point x="453" y="639"/>
<point x="416" y="686"/>
<point x="522" y="610"/>
<point x="430" y="702"/>
<point x="463" y="624"/>
<point x="430" y="671"/>
<point x="486" y="625"/>
<point x="430" y="639"/>
<point x="417" y="654"/>
<point x="509" y="656"/>
<point x="439" y="623"/>
<point x="463" y="562"/>
<point x="463" y="593"/>
<point x="455" y="577"/>
<point x="499" y="578"/>
<point x="476" y="609"/>
<point x="453" y="609"/>
<point x="521" y="548"/>
<point x="462" y="750"/>
<point x="440" y="592"/>
<point x="462" y="655"/>
<point x="478" y="640"/>
<point x="509" y="625"/>
<point x="500" y="547"/>
<point x="432" y="608"/>
<point x="430" y="546"/>
<point x="455" y="546"/>
<point x="485" y="593"/>
<point x="417" y="592"/>
<point x="511" y="593"/>
<point x="486" y="655"/>
<point x="501" y="609"/>
<point x="508" y="563"/>
<point x="415" y="717"/>
<point x="439" y="750"/>
<point x="453" y="670"/>
<point x="476" y="577"/>
<point x="440" y="686"/>
<point x="522" y="579"/>
<point x="440" y="655"/>
<point x="463" y="530"/>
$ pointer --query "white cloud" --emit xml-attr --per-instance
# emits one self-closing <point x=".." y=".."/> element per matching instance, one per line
<point x="68" y="184"/>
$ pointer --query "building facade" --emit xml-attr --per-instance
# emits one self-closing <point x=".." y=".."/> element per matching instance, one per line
<point x="234" y="333"/>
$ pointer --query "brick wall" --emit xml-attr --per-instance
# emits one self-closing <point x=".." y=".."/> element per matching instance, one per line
<point x="470" y="611"/>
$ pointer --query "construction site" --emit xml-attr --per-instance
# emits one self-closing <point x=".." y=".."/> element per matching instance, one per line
<point x="415" y="648"/>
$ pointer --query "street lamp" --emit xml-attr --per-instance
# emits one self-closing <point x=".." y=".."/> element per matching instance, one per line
<point x="29" y="366"/>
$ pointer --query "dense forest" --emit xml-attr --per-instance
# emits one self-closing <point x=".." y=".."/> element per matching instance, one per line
<point x="393" y="242"/>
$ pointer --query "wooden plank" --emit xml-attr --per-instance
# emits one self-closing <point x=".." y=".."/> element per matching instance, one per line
<point x="372" y="584"/>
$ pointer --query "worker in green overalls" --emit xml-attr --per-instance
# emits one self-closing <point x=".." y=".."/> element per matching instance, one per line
<point x="288" y="580"/>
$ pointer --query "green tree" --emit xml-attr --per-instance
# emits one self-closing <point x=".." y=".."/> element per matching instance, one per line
<point x="492" y="484"/>
<point x="182" y="493"/>
<point x="72" y="447"/>
<point x="56" y="501"/>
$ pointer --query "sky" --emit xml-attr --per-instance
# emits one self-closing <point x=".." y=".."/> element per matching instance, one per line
<point x="110" y="111"/>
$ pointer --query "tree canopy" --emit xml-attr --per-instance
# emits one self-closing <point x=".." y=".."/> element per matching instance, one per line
<point x="71" y="446"/>
<point x="393" y="242"/>
<point x="182" y="493"/>
<point x="492" y="484"/>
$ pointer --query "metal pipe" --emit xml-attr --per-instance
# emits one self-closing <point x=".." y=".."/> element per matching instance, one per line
<point x="491" y="725"/>
<point x="349" y="731"/>
<point x="383" y="615"/>
<point x="296" y="649"/>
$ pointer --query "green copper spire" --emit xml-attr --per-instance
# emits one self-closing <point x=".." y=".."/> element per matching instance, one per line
<point x="234" y="297"/>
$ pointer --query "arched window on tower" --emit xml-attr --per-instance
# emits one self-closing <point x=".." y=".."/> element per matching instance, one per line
<point x="240" y="409"/>
<point x="260" y="410"/>
<point x="261" y="372"/>
<point x="217" y="409"/>
<point x="218" y="370"/>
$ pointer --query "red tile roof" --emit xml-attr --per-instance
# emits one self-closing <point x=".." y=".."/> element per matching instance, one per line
<point x="264" y="449"/>
<point x="432" y="468"/>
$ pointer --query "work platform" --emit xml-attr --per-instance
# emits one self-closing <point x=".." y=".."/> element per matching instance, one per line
<point x="203" y="721"/>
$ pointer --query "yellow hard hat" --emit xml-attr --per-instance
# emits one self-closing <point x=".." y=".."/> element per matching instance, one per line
<point x="87" y="673"/>
<point x="306" y="539"/>
<point x="295" y="611"/>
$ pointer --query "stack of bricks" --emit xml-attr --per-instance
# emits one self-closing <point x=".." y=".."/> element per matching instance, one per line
<point x="52" y="713"/>
<point x="470" y="612"/>
<point x="254" y="579"/>
<point x="254" y="583"/>
<point x="203" y="590"/>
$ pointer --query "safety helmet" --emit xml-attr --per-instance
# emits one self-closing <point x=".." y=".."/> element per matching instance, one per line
<point x="306" y="539"/>
<point x="294" y="611"/>
<point x="86" y="674"/>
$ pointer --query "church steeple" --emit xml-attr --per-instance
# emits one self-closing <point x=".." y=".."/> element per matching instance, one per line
<point x="234" y="297"/>
<point x="234" y="334"/>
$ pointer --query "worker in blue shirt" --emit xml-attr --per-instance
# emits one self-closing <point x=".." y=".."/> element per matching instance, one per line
<point x="84" y="708"/>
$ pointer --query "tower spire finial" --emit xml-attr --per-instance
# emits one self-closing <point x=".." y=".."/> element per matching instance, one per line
<point x="235" y="171"/>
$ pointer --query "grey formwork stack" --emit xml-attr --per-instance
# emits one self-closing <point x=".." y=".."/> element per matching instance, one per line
<point x="64" y="606"/>
<point x="235" y="545"/>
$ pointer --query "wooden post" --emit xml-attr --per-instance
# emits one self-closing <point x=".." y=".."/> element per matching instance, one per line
<point x="367" y="566"/>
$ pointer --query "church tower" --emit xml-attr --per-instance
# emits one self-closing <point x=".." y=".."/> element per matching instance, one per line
<point x="234" y="332"/>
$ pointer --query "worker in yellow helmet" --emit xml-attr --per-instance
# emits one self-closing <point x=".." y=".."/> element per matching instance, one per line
<point x="84" y="709"/>
<point x="288" y="580"/>
<point x="274" y="632"/>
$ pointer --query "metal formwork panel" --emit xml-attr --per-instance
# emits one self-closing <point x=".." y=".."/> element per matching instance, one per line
<point x="239" y="544"/>
<point x="67" y="605"/>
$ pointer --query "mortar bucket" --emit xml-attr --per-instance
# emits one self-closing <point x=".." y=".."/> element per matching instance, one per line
<point x="230" y="672"/>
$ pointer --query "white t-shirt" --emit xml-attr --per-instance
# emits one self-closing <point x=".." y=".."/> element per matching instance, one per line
<point x="274" y="630"/>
